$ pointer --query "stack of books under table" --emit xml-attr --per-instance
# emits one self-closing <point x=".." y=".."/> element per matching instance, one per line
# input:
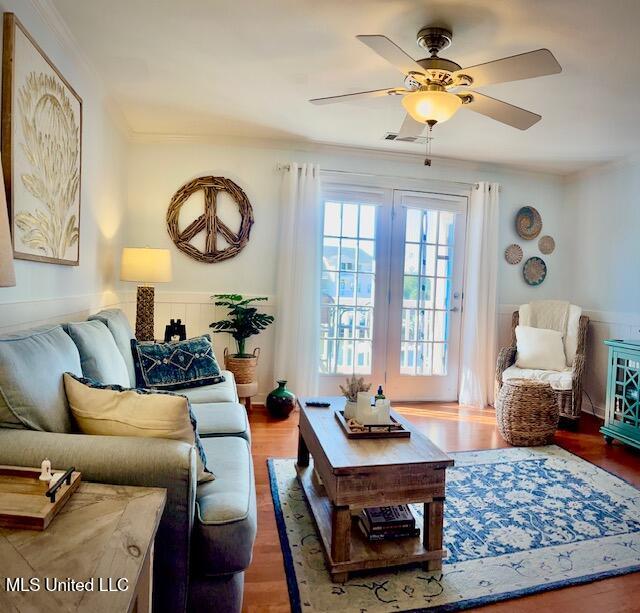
<point x="381" y="523"/>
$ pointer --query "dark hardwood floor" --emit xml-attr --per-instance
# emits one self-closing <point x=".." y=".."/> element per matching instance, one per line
<point x="453" y="428"/>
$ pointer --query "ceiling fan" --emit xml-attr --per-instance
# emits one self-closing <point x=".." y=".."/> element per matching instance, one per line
<point x="436" y="88"/>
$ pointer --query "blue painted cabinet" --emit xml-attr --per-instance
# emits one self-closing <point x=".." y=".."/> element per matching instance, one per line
<point x="622" y="416"/>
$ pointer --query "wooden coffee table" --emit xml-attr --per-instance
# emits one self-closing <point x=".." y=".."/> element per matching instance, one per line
<point x="359" y="473"/>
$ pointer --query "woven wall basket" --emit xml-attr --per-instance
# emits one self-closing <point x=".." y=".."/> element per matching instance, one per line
<point x="243" y="369"/>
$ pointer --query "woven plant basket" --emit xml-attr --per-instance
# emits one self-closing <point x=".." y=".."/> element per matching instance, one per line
<point x="527" y="412"/>
<point x="243" y="369"/>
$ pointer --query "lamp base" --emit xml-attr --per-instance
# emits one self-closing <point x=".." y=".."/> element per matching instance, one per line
<point x="144" y="313"/>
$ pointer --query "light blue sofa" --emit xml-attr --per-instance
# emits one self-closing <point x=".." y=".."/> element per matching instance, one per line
<point x="206" y="535"/>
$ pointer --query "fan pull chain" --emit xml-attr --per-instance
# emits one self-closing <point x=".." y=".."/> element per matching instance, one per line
<point x="427" y="159"/>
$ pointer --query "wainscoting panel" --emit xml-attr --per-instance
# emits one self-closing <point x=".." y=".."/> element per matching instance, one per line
<point x="29" y="314"/>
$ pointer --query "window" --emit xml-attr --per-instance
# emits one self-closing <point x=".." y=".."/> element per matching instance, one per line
<point x="348" y="287"/>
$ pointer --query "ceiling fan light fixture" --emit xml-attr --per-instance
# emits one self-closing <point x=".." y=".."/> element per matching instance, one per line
<point x="431" y="106"/>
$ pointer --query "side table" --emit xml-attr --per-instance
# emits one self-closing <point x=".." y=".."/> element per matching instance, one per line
<point x="246" y="391"/>
<point x="99" y="550"/>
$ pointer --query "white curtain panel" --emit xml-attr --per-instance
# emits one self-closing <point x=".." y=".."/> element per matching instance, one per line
<point x="298" y="295"/>
<point x="7" y="274"/>
<point x="479" y="327"/>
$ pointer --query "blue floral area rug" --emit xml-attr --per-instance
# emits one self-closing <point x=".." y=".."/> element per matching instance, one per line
<point x="517" y="521"/>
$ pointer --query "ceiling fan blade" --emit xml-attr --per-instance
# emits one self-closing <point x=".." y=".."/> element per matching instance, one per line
<point x="410" y="128"/>
<point x="374" y="93"/>
<point x="524" y="66"/>
<point x="391" y="52"/>
<point x="500" y="111"/>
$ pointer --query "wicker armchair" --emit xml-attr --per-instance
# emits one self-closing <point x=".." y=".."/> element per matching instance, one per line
<point x="569" y="400"/>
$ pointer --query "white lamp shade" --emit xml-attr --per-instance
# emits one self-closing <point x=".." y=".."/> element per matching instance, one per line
<point x="145" y="265"/>
<point x="7" y="274"/>
<point x="426" y="106"/>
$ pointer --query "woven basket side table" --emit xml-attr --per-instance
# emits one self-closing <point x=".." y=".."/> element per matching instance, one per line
<point x="527" y="412"/>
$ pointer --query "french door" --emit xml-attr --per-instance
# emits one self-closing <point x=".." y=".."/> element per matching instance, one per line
<point x="391" y="299"/>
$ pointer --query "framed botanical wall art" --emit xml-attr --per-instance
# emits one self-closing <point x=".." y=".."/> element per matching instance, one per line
<point x="41" y="151"/>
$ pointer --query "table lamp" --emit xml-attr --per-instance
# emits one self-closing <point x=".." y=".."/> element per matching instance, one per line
<point x="146" y="266"/>
<point x="7" y="274"/>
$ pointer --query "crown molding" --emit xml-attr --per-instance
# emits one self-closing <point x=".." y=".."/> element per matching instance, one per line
<point x="49" y="14"/>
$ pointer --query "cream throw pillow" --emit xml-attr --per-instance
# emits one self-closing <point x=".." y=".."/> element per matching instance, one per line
<point x="540" y="349"/>
<point x="116" y="411"/>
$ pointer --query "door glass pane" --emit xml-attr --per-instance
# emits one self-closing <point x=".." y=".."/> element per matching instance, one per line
<point x="349" y="220"/>
<point x="428" y="263"/>
<point x="407" y="358"/>
<point x="414" y="225"/>
<point x="366" y="256"/>
<point x="412" y="259"/>
<point x="367" y="221"/>
<point x="409" y="324"/>
<point x="410" y="291"/>
<point x="348" y="288"/>
<point x="427" y="289"/>
<point x="439" y="358"/>
<point x="332" y="218"/>
<point x="330" y="253"/>
<point x="348" y="254"/>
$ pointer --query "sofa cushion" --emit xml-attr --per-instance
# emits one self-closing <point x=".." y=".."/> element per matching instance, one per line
<point x="219" y="392"/>
<point x="31" y="367"/>
<point x="225" y="523"/>
<point x="118" y="324"/>
<point x="540" y="348"/>
<point x="221" y="419"/>
<point x="559" y="380"/>
<point x="99" y="355"/>
<point x="176" y="365"/>
<point x="112" y="410"/>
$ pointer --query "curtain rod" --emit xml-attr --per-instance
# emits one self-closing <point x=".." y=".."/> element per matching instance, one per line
<point x="280" y="167"/>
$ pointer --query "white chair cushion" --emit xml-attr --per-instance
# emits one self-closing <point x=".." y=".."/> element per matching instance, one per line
<point x="559" y="380"/>
<point x="573" y="324"/>
<point x="539" y="349"/>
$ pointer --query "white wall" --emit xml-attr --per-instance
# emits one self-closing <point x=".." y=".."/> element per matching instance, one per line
<point x="159" y="166"/>
<point x="605" y="259"/>
<point x="49" y="291"/>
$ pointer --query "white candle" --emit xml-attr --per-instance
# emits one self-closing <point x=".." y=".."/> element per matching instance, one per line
<point x="364" y="411"/>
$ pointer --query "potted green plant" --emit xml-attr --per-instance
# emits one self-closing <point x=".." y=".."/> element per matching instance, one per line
<point x="243" y="322"/>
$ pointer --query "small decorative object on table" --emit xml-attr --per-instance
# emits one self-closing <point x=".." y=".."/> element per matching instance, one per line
<point x="280" y="402"/>
<point x="175" y="331"/>
<point x="355" y="385"/>
<point x="244" y="321"/>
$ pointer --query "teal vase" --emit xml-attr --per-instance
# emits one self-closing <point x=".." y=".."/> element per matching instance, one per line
<point x="280" y="402"/>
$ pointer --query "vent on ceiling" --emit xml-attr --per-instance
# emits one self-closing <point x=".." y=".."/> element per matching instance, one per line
<point x="408" y="139"/>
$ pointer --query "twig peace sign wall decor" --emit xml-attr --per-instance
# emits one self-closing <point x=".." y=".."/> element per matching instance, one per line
<point x="209" y="220"/>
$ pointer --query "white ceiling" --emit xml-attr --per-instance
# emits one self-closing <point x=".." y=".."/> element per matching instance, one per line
<point x="248" y="67"/>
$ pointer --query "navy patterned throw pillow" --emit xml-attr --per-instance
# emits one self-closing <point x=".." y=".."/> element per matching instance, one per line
<point x="174" y="366"/>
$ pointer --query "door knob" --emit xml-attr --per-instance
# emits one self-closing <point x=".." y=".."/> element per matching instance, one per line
<point x="454" y="309"/>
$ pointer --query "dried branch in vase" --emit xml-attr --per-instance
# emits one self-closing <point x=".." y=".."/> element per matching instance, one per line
<point x="354" y="385"/>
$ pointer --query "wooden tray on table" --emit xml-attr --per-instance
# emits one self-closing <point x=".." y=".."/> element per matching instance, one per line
<point x="24" y="502"/>
<point x="393" y="430"/>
